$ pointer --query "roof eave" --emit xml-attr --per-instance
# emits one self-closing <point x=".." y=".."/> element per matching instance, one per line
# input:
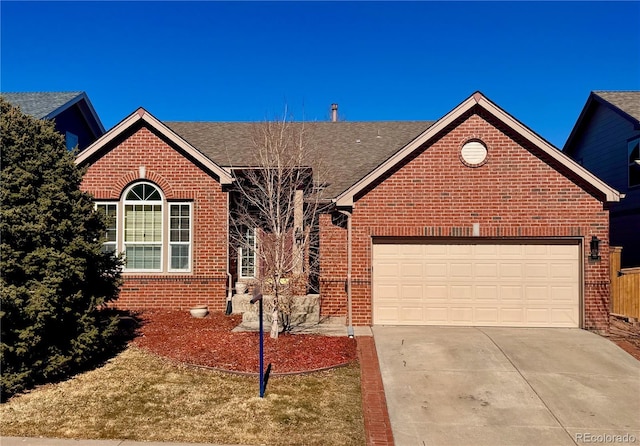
<point x="82" y="96"/>
<point x="142" y="115"/>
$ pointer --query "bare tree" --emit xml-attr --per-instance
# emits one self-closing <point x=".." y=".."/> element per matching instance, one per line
<point x="275" y="203"/>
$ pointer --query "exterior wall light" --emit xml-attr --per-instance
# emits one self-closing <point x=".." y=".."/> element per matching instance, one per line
<point x="594" y="246"/>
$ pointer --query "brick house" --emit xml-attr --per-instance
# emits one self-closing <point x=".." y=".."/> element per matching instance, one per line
<point x="469" y="220"/>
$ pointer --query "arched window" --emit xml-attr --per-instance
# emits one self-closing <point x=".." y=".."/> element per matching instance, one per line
<point x="144" y="226"/>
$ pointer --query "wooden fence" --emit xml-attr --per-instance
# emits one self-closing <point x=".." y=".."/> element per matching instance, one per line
<point x="625" y="287"/>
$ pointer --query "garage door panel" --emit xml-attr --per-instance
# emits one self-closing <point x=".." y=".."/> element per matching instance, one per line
<point x="511" y="251"/>
<point x="436" y="251"/>
<point x="487" y="292"/>
<point x="536" y="294"/>
<point x="537" y="316"/>
<point x="512" y="316"/>
<point x="388" y="291"/>
<point x="486" y="271"/>
<point x="411" y="251"/>
<point x="511" y="293"/>
<point x="511" y="270"/>
<point x="487" y="251"/>
<point x="409" y="313"/>
<point x="563" y="271"/>
<point x="460" y="250"/>
<point x="412" y="292"/>
<point x="411" y="270"/>
<point x="461" y="270"/>
<point x="564" y="317"/>
<point x="461" y="315"/>
<point x="435" y="271"/>
<point x="388" y="314"/>
<point x="436" y="315"/>
<point x="434" y="292"/>
<point x="486" y="315"/>
<point x="560" y="294"/>
<point x="528" y="285"/>
<point x="461" y="292"/>
<point x="536" y="270"/>
<point x="564" y="251"/>
<point x="386" y="269"/>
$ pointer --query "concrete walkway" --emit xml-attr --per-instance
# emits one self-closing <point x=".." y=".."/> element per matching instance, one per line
<point x="451" y="386"/>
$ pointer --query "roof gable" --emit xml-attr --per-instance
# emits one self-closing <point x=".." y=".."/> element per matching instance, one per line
<point x="346" y="199"/>
<point x="624" y="103"/>
<point x="48" y="105"/>
<point x="141" y="116"/>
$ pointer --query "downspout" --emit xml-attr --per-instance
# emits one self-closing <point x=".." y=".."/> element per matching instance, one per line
<point x="229" y="308"/>
<point x="350" y="332"/>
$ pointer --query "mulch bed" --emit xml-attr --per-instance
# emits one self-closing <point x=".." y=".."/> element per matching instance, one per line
<point x="210" y="342"/>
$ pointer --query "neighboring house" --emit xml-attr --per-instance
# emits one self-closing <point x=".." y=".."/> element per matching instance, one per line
<point x="469" y="220"/>
<point x="606" y="140"/>
<point x="72" y="112"/>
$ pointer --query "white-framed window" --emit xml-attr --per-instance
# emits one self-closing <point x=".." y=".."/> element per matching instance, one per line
<point x="111" y="234"/>
<point x="634" y="162"/>
<point x="144" y="226"/>
<point x="179" y="236"/>
<point x="247" y="255"/>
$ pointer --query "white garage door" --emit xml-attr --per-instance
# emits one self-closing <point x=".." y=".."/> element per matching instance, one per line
<point x="515" y="285"/>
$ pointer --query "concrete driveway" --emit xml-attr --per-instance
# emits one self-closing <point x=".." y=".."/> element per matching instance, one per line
<point x="507" y="386"/>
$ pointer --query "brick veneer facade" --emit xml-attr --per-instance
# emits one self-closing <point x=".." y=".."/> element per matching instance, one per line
<point x="433" y="194"/>
<point x="180" y="179"/>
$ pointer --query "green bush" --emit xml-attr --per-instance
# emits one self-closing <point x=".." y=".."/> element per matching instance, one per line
<point x="55" y="279"/>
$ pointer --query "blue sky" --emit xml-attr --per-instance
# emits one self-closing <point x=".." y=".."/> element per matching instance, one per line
<point x="244" y="61"/>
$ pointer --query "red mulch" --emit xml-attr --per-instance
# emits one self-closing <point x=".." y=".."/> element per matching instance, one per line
<point x="210" y="342"/>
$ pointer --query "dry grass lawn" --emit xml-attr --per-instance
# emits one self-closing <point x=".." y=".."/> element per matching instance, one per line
<point x="138" y="396"/>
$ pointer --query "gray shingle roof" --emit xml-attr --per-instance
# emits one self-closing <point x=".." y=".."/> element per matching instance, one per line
<point x="40" y="105"/>
<point x="350" y="150"/>
<point x="627" y="101"/>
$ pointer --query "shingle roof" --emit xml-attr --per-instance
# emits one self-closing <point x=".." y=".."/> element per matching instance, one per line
<point x="40" y="105"/>
<point x="350" y="150"/>
<point x="627" y="101"/>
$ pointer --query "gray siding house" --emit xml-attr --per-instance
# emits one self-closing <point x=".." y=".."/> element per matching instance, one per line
<point x="72" y="113"/>
<point x="606" y="140"/>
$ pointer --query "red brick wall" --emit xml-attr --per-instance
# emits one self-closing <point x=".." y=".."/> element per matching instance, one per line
<point x="179" y="179"/>
<point x="514" y="194"/>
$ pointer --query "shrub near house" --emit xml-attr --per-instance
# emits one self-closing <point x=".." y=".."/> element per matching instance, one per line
<point x="55" y="276"/>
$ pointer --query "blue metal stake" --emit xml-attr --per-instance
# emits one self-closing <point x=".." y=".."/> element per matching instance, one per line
<point x="261" y="352"/>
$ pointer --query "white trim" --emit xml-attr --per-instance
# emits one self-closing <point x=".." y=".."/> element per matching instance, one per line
<point x="162" y="203"/>
<point x="170" y="243"/>
<point x="346" y="198"/>
<point x="255" y="257"/>
<point x="117" y="205"/>
<point x="142" y="115"/>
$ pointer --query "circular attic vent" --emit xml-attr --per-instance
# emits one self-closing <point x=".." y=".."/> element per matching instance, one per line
<point x="474" y="153"/>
